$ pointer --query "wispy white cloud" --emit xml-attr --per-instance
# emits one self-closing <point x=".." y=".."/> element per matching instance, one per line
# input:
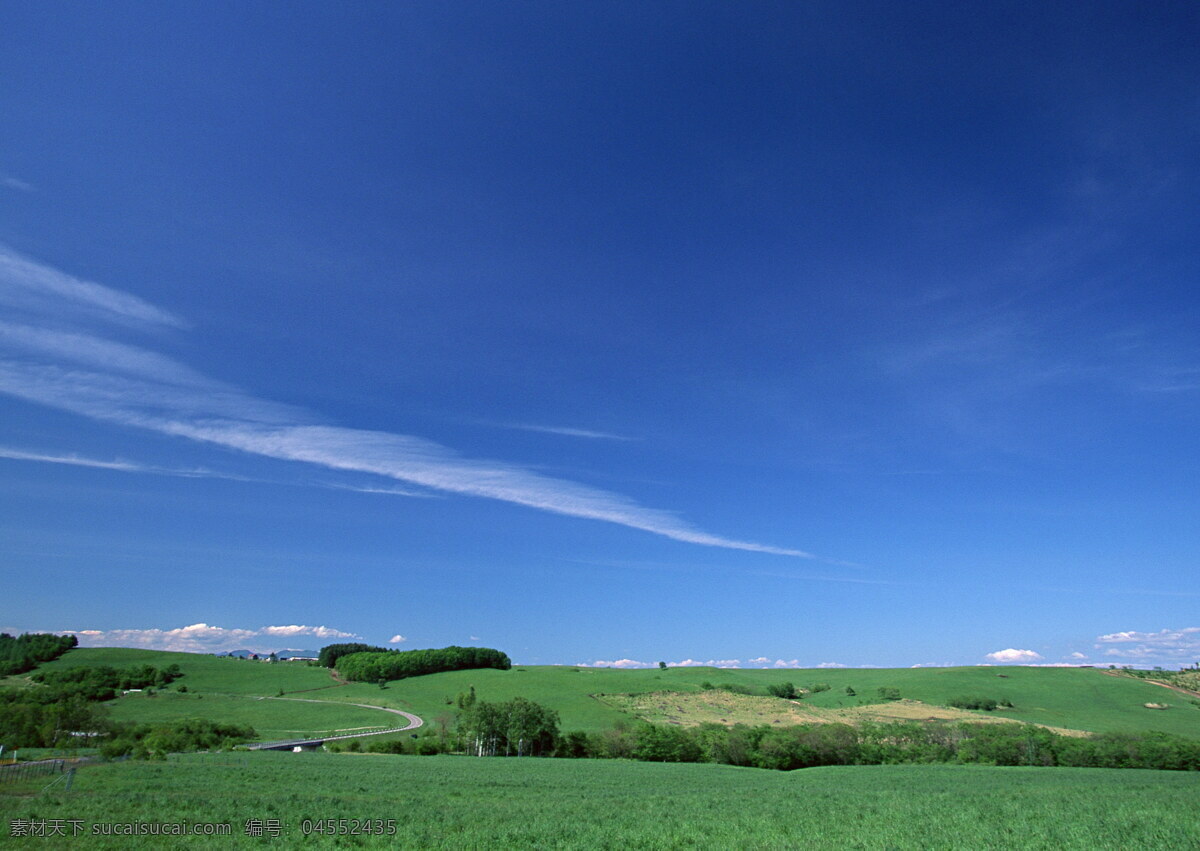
<point x="204" y="638"/>
<point x="1164" y="645"/>
<point x="422" y="462"/>
<point x="387" y="491"/>
<point x="1164" y="637"/>
<point x="832" y="665"/>
<point x="13" y="183"/>
<point x="30" y="285"/>
<point x="120" y="466"/>
<point x="1077" y="655"/>
<point x="397" y="639"/>
<point x="1012" y="655"/>
<point x="125" y="384"/>
<point x="565" y="431"/>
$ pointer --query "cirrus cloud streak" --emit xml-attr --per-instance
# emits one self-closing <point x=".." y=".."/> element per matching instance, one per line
<point x="117" y="382"/>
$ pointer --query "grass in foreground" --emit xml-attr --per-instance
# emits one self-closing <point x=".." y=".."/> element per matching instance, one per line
<point x="458" y="802"/>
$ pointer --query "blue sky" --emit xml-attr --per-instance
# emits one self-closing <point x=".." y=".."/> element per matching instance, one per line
<point x="746" y="333"/>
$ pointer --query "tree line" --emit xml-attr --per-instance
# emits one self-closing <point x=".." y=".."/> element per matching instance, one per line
<point x="155" y="741"/>
<point x="67" y="702"/>
<point x="101" y="682"/>
<point x="25" y="652"/>
<point x="383" y="665"/>
<point x="523" y="728"/>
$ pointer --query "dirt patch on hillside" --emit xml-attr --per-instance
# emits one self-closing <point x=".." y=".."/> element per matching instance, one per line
<point x="1185" y="682"/>
<point x="690" y="709"/>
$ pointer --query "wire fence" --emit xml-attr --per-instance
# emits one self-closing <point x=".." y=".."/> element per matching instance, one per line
<point x="19" y="771"/>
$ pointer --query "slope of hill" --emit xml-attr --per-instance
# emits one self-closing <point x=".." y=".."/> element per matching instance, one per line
<point x="202" y="672"/>
<point x="1073" y="698"/>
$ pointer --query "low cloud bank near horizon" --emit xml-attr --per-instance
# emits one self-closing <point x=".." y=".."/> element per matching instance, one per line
<point x="206" y="638"/>
<point x="1173" y="645"/>
<point x="757" y="662"/>
<point x="1013" y="655"/>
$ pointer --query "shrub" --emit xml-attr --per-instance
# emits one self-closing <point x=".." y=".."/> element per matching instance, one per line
<point x="987" y="704"/>
<point x="784" y="690"/>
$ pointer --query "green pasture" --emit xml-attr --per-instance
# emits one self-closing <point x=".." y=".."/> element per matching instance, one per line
<point x="464" y="802"/>
<point x="271" y="719"/>
<point x="1076" y="698"/>
<point x="202" y="672"/>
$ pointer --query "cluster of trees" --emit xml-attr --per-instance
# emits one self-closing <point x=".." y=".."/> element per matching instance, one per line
<point x="331" y="653"/>
<point x="100" y="682"/>
<point x="517" y="727"/>
<point x="154" y="741"/>
<point x="732" y="688"/>
<point x="377" y="666"/>
<point x="520" y="727"/>
<point x="77" y="722"/>
<point x="64" y="710"/>
<point x="985" y="703"/>
<point x="26" y="723"/>
<point x="25" y="652"/>
<point x="787" y="691"/>
<point x="805" y="746"/>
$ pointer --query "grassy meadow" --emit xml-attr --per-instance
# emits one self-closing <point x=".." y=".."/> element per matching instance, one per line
<point x="1071" y="698"/>
<point x="462" y="802"/>
<point x="202" y="672"/>
<point x="271" y="718"/>
<point x="689" y="709"/>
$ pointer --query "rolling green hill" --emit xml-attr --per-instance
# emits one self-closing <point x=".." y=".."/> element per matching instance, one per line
<point x="271" y="718"/>
<point x="1075" y="698"/>
<point x="203" y="672"/>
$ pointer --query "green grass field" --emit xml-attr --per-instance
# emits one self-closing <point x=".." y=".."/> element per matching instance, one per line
<point x="463" y="802"/>
<point x="220" y="674"/>
<point x="1075" y="698"/>
<point x="271" y="719"/>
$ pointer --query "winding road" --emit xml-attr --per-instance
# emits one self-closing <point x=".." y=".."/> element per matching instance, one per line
<point x="413" y="723"/>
